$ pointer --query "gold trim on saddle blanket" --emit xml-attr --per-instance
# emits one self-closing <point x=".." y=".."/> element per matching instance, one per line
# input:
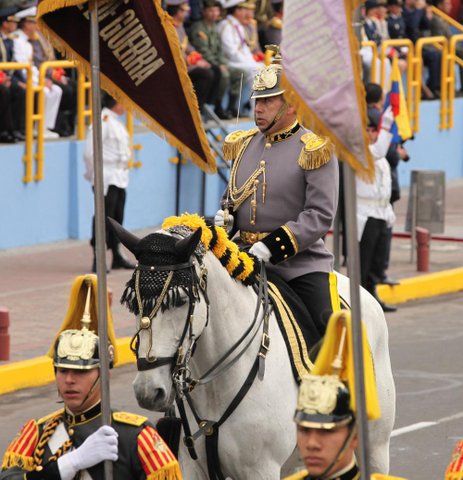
<point x="250" y="238"/>
<point x="299" y="353"/>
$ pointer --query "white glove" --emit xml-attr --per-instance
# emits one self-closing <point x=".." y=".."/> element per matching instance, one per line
<point x="99" y="446"/>
<point x="261" y="251"/>
<point x="219" y="220"/>
<point x="387" y="119"/>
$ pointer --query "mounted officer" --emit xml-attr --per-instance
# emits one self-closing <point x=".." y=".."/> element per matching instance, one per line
<point x="282" y="195"/>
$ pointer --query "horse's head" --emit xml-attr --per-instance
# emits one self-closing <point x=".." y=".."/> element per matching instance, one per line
<point x="167" y="292"/>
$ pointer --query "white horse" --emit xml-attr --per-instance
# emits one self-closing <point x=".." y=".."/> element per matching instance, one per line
<point x="260" y="435"/>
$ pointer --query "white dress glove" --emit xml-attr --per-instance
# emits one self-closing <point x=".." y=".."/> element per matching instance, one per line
<point x="99" y="446"/>
<point x="261" y="251"/>
<point x="219" y="220"/>
<point x="387" y="119"/>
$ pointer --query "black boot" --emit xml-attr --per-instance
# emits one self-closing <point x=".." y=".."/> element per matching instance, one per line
<point x="119" y="261"/>
<point x="221" y="113"/>
<point x="386" y="308"/>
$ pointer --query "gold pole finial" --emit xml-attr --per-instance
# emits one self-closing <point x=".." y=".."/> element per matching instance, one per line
<point x="86" y="318"/>
<point x="337" y="362"/>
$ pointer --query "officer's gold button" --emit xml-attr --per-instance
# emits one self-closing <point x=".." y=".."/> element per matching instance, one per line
<point x="278" y="239"/>
<point x="268" y="145"/>
<point x="283" y="247"/>
<point x="71" y="432"/>
<point x="286" y="256"/>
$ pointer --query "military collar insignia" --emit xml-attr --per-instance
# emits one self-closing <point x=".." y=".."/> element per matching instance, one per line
<point x="83" y="417"/>
<point x="284" y="134"/>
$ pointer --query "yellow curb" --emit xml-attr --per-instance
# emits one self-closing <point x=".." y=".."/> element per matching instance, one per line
<point x="38" y="371"/>
<point x="425" y="286"/>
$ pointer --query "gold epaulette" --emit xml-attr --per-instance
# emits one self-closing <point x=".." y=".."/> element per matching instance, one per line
<point x="129" y="418"/>
<point x="49" y="416"/>
<point x="234" y="141"/>
<point x="317" y="151"/>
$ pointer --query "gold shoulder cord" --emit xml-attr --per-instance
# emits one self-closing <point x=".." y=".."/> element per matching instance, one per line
<point x="47" y="433"/>
<point x="249" y="187"/>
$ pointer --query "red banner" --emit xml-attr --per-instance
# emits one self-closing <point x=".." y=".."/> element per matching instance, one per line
<point x="141" y="65"/>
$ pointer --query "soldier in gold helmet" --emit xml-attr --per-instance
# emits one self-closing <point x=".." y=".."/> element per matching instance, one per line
<point x="71" y="443"/>
<point x="282" y="195"/>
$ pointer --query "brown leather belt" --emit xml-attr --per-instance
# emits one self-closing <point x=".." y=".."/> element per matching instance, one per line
<point x="250" y="238"/>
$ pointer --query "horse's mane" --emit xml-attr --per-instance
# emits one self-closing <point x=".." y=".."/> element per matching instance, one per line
<point x="239" y="264"/>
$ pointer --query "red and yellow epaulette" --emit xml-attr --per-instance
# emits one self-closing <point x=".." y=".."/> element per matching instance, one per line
<point x="455" y="468"/>
<point x="20" y="452"/>
<point x="129" y="418"/>
<point x="317" y="151"/>
<point x="158" y="462"/>
<point x="234" y="142"/>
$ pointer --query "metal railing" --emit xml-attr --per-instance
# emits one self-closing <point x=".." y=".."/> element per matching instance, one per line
<point x="418" y="78"/>
<point x="28" y="157"/>
<point x="452" y="60"/>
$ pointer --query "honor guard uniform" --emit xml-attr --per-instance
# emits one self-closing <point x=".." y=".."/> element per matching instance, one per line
<point x="282" y="195"/>
<point x="71" y="443"/>
<point x="326" y="431"/>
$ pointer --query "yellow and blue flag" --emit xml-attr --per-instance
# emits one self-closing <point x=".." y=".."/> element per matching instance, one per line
<point x="395" y="98"/>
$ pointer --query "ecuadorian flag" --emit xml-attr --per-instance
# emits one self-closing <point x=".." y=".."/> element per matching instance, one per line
<point x="401" y="129"/>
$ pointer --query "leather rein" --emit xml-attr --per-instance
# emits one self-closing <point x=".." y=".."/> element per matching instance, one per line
<point x="182" y="380"/>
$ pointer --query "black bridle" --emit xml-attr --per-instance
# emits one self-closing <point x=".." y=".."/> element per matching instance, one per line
<point x="183" y="383"/>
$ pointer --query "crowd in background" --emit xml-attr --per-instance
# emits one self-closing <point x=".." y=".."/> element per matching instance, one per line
<point x="223" y="44"/>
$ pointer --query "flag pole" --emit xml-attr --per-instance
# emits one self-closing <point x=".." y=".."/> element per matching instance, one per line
<point x="100" y="223"/>
<point x="353" y="272"/>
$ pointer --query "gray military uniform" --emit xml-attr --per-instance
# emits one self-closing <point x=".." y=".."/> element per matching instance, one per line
<point x="301" y="202"/>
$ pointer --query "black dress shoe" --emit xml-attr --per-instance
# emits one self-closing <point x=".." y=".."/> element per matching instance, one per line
<point x="6" y="137"/>
<point x="19" y="135"/>
<point x="389" y="281"/>
<point x="223" y="114"/>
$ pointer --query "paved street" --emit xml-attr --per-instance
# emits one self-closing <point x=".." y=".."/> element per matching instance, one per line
<point x="425" y="342"/>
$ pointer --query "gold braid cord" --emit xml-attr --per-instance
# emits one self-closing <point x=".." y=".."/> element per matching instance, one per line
<point x="45" y="437"/>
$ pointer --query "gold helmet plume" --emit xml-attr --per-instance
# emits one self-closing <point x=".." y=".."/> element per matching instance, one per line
<point x="76" y="346"/>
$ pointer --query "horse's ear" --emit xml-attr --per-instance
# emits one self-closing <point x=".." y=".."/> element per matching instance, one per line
<point x="128" y="239"/>
<point x="186" y="246"/>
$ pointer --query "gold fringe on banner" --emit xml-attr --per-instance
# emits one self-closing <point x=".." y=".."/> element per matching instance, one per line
<point x="206" y="164"/>
<point x="309" y="118"/>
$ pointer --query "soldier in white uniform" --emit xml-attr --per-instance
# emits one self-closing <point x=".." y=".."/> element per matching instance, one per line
<point x="116" y="156"/>
<point x="24" y="53"/>
<point x="283" y="193"/>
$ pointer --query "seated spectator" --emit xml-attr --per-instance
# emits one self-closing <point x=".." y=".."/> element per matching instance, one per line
<point x="371" y="21"/>
<point x="203" y="75"/>
<point x="263" y="15"/>
<point x="440" y="28"/>
<point x="12" y="91"/>
<point x="381" y="20"/>
<point x="417" y="19"/>
<point x="276" y="23"/>
<point x="371" y="32"/>
<point x="252" y="37"/>
<point x="395" y="21"/>
<point x="206" y="39"/>
<point x="233" y="34"/>
<point x="24" y="53"/>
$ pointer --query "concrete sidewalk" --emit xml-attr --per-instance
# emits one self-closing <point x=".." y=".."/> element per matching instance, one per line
<point x="35" y="283"/>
